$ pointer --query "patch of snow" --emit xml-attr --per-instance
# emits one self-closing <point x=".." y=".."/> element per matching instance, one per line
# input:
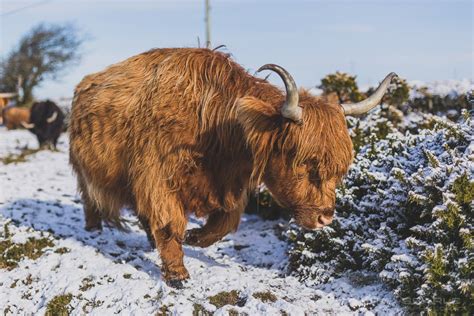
<point x="118" y="272"/>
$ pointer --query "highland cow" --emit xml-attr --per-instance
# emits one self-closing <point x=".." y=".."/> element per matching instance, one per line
<point x="14" y="116"/>
<point x="177" y="131"/>
<point x="4" y="100"/>
<point x="46" y="122"/>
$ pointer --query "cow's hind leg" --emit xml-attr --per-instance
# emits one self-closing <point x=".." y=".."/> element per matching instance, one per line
<point x="219" y="224"/>
<point x="91" y="211"/>
<point x="92" y="216"/>
<point x="146" y="227"/>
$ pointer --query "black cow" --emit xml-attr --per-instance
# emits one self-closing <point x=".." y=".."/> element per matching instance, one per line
<point x="46" y="122"/>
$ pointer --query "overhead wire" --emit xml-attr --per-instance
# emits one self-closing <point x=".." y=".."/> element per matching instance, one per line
<point x="24" y="8"/>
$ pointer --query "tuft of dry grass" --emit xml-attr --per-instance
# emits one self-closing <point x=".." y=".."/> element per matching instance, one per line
<point x="87" y="283"/>
<point x="164" y="310"/>
<point x="18" y="158"/>
<point x="59" y="305"/>
<point x="62" y="250"/>
<point x="265" y="296"/>
<point x="199" y="310"/>
<point x="227" y="298"/>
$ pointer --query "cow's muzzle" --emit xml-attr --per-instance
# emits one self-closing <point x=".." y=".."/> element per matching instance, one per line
<point x="315" y="219"/>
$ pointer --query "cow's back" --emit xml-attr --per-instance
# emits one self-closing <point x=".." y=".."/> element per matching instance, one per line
<point x="162" y="93"/>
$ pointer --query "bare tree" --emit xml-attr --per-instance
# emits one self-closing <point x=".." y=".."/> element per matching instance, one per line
<point x="44" y="53"/>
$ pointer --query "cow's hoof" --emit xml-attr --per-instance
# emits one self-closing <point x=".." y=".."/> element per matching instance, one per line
<point x="192" y="236"/>
<point x="175" y="283"/>
<point x="197" y="238"/>
<point x="94" y="228"/>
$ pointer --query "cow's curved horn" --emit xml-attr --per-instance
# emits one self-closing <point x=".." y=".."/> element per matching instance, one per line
<point x="290" y="109"/>
<point x="27" y="125"/>
<point x="372" y="101"/>
<point x="52" y="118"/>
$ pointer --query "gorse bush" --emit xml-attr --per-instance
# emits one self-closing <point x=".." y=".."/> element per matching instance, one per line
<point x="344" y="85"/>
<point x="405" y="211"/>
<point x="399" y="93"/>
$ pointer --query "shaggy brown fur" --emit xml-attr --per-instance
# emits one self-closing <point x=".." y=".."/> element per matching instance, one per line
<point x="13" y="116"/>
<point x="174" y="131"/>
<point x="3" y="104"/>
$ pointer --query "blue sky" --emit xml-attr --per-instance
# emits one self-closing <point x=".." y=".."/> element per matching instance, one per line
<point x="422" y="40"/>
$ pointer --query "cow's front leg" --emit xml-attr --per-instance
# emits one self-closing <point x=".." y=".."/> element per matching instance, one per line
<point x="219" y="224"/>
<point x="169" y="241"/>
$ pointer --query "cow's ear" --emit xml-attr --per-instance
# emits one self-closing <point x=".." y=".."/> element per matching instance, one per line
<point x="256" y="116"/>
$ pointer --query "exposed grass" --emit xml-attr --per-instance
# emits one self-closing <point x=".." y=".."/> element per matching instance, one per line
<point x="6" y="231"/>
<point x="227" y="298"/>
<point x="164" y="310"/>
<point x="59" y="305"/>
<point x="233" y="312"/>
<point x="155" y="298"/>
<point x="21" y="157"/>
<point x="87" y="283"/>
<point x="265" y="296"/>
<point x="62" y="250"/>
<point x="90" y="305"/>
<point x="28" y="280"/>
<point x="7" y="310"/>
<point x="13" y="285"/>
<point x="12" y="253"/>
<point x="199" y="310"/>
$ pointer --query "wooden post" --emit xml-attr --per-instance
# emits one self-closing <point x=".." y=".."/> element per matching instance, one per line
<point x="208" y="24"/>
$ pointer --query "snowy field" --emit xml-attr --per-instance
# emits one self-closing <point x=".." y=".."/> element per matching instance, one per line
<point x="115" y="272"/>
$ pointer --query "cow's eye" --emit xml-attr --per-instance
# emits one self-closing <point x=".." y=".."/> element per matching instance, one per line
<point x="313" y="175"/>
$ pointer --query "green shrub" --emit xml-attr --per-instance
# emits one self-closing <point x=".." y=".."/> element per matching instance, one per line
<point x="405" y="210"/>
<point x="344" y="85"/>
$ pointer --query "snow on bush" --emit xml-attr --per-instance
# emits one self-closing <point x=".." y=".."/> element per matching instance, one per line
<point x="405" y="211"/>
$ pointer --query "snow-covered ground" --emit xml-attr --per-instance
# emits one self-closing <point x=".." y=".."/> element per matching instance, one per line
<point x="116" y="272"/>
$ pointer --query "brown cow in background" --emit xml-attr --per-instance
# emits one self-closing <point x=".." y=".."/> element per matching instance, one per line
<point x="14" y="117"/>
<point x="4" y="100"/>
<point x="175" y="131"/>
